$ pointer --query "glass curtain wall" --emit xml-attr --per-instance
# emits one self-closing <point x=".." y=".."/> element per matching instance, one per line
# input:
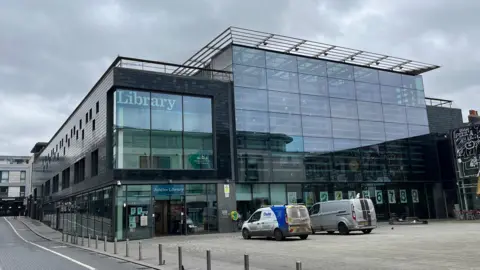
<point x="289" y="108"/>
<point x="162" y="131"/>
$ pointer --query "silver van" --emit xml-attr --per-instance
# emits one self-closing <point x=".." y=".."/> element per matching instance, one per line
<point x="343" y="216"/>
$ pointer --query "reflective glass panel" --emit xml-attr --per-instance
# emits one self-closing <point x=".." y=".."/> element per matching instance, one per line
<point x="248" y="56"/>
<point x="166" y="112"/>
<point x="316" y="126"/>
<point x="343" y="108"/>
<point x="416" y="130"/>
<point x="414" y="98"/>
<point x="419" y="82"/>
<point x="390" y="78"/>
<point x="343" y="144"/>
<point x="369" y="142"/>
<point x="197" y="114"/>
<point x="252" y="121"/>
<point x="313" y="85"/>
<point x="251" y="99"/>
<point x="394" y="131"/>
<point x="392" y="95"/>
<point x="312" y="66"/>
<point x="288" y="124"/>
<point x="408" y="81"/>
<point x="417" y="116"/>
<point x="368" y="92"/>
<point x="198" y="150"/>
<point x="283" y="102"/>
<point x="370" y="130"/>
<point x="286" y="143"/>
<point x="370" y="111"/>
<point x="248" y="76"/>
<point x="318" y="145"/>
<point x="345" y="128"/>
<point x="315" y="105"/>
<point x="288" y="166"/>
<point x="167" y="149"/>
<point x="278" y="194"/>
<point x="396" y="114"/>
<point x="132" y="109"/>
<point x="341" y="88"/>
<point x="280" y="61"/>
<point x="282" y="81"/>
<point x="340" y="71"/>
<point x="366" y="75"/>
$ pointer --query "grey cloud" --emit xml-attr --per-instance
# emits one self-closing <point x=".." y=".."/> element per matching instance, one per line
<point x="58" y="49"/>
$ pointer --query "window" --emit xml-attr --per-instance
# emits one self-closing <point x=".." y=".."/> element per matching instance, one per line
<point x="68" y="142"/>
<point x="312" y="66"/>
<point x="93" y="126"/>
<point x="4" y="176"/>
<point x="318" y="145"/>
<point x="343" y="108"/>
<point x="312" y="85"/>
<point x="345" y="128"/>
<point x="252" y="121"/>
<point x="372" y="130"/>
<point x="66" y="178"/>
<point x="4" y="191"/>
<point x="90" y="114"/>
<point x="250" y="99"/>
<point x="316" y="126"/>
<point x="340" y="71"/>
<point x="252" y="77"/>
<point x="76" y="135"/>
<point x="370" y="111"/>
<point x="390" y="78"/>
<point x="283" y="102"/>
<point x="288" y="124"/>
<point x="315" y="209"/>
<point x="255" y="217"/>
<point x="392" y="95"/>
<point x="23" y="175"/>
<point x="365" y="75"/>
<point x="197" y="114"/>
<point x="80" y="124"/>
<point x="97" y="107"/>
<point x="368" y="92"/>
<point x="279" y="61"/>
<point x="94" y="163"/>
<point x="417" y="116"/>
<point x="47" y="188"/>
<point x="282" y="81"/>
<point x="166" y="112"/>
<point x="22" y="191"/>
<point x="79" y="171"/>
<point x="83" y="134"/>
<point x="86" y="118"/>
<point x="315" y="105"/>
<point x="341" y="88"/>
<point x="395" y="131"/>
<point x="55" y="184"/>
<point x="248" y="56"/>
<point x="395" y="114"/>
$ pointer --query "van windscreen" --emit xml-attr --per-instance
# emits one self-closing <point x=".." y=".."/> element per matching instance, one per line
<point x="297" y="212"/>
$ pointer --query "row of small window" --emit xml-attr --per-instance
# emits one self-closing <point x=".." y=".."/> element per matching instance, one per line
<point x="325" y="145"/>
<point x="336" y="107"/>
<point x="12" y="191"/>
<point x="294" y="124"/>
<point x="5" y="176"/>
<point x="259" y="59"/>
<point x="79" y="172"/>
<point x="74" y="132"/>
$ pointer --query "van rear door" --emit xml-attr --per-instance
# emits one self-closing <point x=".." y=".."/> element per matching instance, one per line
<point x="297" y="215"/>
<point x="363" y="212"/>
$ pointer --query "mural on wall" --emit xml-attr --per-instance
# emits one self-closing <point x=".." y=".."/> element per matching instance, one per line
<point x="466" y="142"/>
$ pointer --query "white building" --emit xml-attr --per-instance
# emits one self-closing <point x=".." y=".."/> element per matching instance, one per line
<point x="14" y="180"/>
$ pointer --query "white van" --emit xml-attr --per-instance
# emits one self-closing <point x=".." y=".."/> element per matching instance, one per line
<point x="343" y="216"/>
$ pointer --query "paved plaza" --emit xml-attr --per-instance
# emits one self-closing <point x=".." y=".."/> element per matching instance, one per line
<point x="439" y="245"/>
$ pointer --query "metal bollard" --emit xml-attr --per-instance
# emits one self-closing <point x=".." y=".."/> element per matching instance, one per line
<point x="115" y="251"/>
<point x="180" y="263"/>
<point x="83" y="239"/>
<point x="246" y="262"/>
<point x="76" y="238"/>
<point x="139" y="250"/>
<point x="160" y="255"/>
<point x="105" y="243"/>
<point x="126" y="248"/>
<point x="66" y="237"/>
<point x="63" y="237"/>
<point x="96" y="241"/>
<point x="88" y="240"/>
<point x="209" y="260"/>
<point x="299" y="265"/>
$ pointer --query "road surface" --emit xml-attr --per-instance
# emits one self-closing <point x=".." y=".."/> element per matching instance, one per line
<point x="21" y="249"/>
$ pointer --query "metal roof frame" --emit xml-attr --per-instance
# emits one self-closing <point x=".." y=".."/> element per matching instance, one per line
<point x="302" y="47"/>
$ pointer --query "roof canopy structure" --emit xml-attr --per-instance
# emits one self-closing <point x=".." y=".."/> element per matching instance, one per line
<point x="302" y="47"/>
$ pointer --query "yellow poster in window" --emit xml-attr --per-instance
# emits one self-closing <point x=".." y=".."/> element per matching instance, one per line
<point x="478" y="185"/>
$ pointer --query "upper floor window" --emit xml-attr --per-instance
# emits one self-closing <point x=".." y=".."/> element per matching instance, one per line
<point x="23" y="175"/>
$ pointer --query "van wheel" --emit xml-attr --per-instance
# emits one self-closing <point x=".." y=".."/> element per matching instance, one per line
<point x="367" y="231"/>
<point x="330" y="232"/>
<point x="303" y="237"/>
<point x="343" y="229"/>
<point x="246" y="234"/>
<point x="278" y="235"/>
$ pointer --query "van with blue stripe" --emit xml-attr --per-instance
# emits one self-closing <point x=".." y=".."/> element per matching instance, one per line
<point x="278" y="221"/>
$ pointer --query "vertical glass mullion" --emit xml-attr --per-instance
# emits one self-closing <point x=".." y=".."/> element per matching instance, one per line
<point x="150" y="156"/>
<point x="183" y="135"/>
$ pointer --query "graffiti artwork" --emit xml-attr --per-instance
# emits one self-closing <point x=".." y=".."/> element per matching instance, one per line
<point x="466" y="143"/>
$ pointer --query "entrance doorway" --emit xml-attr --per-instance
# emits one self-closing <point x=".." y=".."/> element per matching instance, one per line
<point x="168" y="216"/>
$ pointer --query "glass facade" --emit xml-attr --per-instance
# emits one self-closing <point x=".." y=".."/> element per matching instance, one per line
<point x="162" y="131"/>
<point x="289" y="108"/>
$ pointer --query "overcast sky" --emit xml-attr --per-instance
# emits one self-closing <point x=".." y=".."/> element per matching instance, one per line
<point x="52" y="52"/>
